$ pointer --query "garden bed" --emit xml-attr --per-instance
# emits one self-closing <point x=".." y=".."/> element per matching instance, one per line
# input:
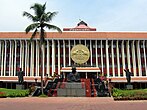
<point x="13" y="93"/>
<point x="138" y="94"/>
<point x="130" y="98"/>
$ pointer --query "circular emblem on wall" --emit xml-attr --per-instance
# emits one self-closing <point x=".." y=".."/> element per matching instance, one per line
<point x="80" y="54"/>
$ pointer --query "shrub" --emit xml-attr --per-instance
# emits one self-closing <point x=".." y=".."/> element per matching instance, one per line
<point x="2" y="94"/>
<point x="14" y="92"/>
<point x="119" y="94"/>
<point x="43" y="95"/>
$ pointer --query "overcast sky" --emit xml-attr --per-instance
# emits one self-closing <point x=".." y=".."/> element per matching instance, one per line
<point x="105" y="15"/>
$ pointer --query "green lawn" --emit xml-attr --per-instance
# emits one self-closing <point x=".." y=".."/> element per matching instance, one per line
<point x="130" y="94"/>
<point x="13" y="92"/>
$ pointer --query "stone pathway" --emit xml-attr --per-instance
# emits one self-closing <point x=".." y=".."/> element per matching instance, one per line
<point x="70" y="103"/>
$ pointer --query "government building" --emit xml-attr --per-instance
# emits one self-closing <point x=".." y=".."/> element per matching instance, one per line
<point x="109" y="53"/>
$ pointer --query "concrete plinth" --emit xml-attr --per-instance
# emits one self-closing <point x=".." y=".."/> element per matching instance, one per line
<point x="129" y="86"/>
<point x="19" y="86"/>
<point x="72" y="90"/>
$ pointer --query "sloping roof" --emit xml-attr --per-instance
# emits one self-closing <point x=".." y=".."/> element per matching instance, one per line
<point x="78" y="35"/>
<point x="82" y="23"/>
<point x="81" y="26"/>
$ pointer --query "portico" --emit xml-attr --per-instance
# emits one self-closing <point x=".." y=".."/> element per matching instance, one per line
<point x="85" y="72"/>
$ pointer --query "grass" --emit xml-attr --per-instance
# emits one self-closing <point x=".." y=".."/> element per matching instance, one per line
<point x="129" y="94"/>
<point x="43" y="95"/>
<point x="13" y="92"/>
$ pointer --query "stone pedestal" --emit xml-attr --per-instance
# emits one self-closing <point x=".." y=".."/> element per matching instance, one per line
<point x="19" y="86"/>
<point x="72" y="89"/>
<point x="129" y="86"/>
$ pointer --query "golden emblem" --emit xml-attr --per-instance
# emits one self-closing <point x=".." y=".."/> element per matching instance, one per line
<point x="80" y="54"/>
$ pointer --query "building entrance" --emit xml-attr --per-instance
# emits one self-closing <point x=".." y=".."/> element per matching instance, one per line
<point x="91" y="75"/>
<point x="85" y="75"/>
<point x="88" y="75"/>
<point x="85" y="72"/>
<point x="82" y="75"/>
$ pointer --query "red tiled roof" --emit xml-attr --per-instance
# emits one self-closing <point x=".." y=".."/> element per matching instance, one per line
<point x="82" y="26"/>
<point x="78" y="35"/>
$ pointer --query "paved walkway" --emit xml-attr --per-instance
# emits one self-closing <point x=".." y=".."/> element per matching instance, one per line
<point x="70" y="103"/>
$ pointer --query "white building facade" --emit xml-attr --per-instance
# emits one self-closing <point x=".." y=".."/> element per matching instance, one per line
<point x="110" y="54"/>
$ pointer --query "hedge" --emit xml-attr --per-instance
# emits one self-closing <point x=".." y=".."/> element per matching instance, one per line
<point x="119" y="94"/>
<point x="13" y="92"/>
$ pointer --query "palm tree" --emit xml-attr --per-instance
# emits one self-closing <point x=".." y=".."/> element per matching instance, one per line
<point x="41" y="20"/>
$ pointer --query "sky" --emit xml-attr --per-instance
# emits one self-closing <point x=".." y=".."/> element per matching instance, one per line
<point x="104" y="15"/>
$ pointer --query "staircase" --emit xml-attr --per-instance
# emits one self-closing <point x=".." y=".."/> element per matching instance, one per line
<point x="93" y="89"/>
<point x="87" y="86"/>
<point x="84" y="88"/>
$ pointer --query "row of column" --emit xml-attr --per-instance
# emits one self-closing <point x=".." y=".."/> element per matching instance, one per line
<point x="21" y="53"/>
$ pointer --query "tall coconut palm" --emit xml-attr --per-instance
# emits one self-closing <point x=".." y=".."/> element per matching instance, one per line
<point x="41" y="20"/>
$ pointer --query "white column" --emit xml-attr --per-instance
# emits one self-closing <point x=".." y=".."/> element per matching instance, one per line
<point x="74" y="42"/>
<point x="123" y="57"/>
<point x="85" y="42"/>
<point x="0" y="54"/>
<point x="15" y="58"/>
<point x="5" y="58"/>
<point x="64" y="60"/>
<point x="144" y="52"/>
<point x="22" y="65"/>
<point x="113" y="66"/>
<point x="10" y="57"/>
<point x="118" y="62"/>
<point x="20" y="54"/>
<point x="107" y="58"/>
<point x="58" y="57"/>
<point x="32" y="59"/>
<point x="91" y="53"/>
<point x="2" y="58"/>
<point x="48" y="58"/>
<point x="36" y="54"/>
<point x="133" y="58"/>
<point x="38" y="58"/>
<point x="79" y="41"/>
<point x="139" y="58"/>
<point x="69" y="52"/>
<point x="86" y="46"/>
<point x="26" y="56"/>
<point x="53" y="57"/>
<point x="102" y="56"/>
<point x="12" y="60"/>
<point x="96" y="53"/>
<point x="128" y="55"/>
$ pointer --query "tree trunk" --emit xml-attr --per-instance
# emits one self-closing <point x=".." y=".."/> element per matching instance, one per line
<point x="41" y="46"/>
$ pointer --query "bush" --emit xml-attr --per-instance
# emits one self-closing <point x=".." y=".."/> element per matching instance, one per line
<point x="43" y="95"/>
<point x="14" y="92"/>
<point x="3" y="94"/>
<point x="119" y="94"/>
